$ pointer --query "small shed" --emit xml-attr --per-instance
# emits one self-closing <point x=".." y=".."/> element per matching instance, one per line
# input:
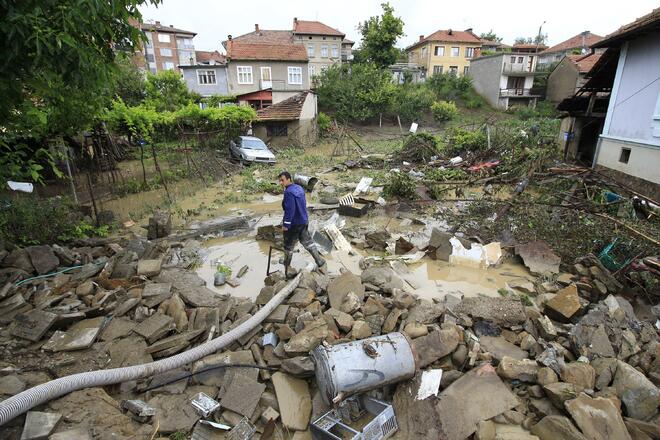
<point x="288" y="122"/>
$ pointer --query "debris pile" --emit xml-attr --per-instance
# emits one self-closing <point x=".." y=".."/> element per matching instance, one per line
<point x="579" y="360"/>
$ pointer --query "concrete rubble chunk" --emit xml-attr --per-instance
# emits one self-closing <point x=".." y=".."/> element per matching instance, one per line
<point x="72" y="434"/>
<point x="339" y="287"/>
<point x="33" y="325"/>
<point x="343" y="320"/>
<point x="560" y="392"/>
<point x="580" y="374"/>
<point x="415" y="330"/>
<point x="556" y="428"/>
<point x="279" y="314"/>
<point x="39" y="425"/>
<point x="598" y="418"/>
<point x="43" y="258"/>
<point x="149" y="268"/>
<point x="383" y="277"/>
<point x="435" y="345"/>
<point x="174" y="411"/>
<point x="294" y="401"/>
<point x="361" y="330"/>
<point x="155" y="327"/>
<point x="564" y="305"/>
<point x="500" y="347"/>
<point x="81" y="335"/>
<point x="592" y="341"/>
<point x="525" y="370"/>
<point x="242" y="395"/>
<point x="10" y="385"/>
<point x="128" y="351"/>
<point x="160" y="225"/>
<point x="639" y="395"/>
<point x="538" y="257"/>
<point x="309" y="338"/>
<point x="502" y="311"/>
<point x="488" y="397"/>
<point x="299" y="366"/>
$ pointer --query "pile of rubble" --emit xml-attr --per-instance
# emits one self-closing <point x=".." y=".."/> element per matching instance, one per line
<point x="578" y="364"/>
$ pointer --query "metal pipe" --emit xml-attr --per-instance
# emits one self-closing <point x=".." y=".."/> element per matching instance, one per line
<point x="22" y="402"/>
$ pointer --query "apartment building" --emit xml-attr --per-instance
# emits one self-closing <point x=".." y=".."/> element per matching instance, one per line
<point x="323" y="43"/>
<point x="445" y="51"/>
<point x="166" y="48"/>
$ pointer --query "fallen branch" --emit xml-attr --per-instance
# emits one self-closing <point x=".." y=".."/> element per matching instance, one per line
<point x="630" y="228"/>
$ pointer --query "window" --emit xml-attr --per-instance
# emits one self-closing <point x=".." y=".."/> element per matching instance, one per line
<point x="276" y="129"/>
<point x="466" y="70"/>
<point x="168" y="65"/>
<point x="520" y="60"/>
<point x="625" y="155"/>
<point x="165" y="52"/>
<point x="244" y="74"/>
<point x="150" y="58"/>
<point x="295" y="75"/>
<point x="335" y="51"/>
<point x="324" y="51"/>
<point x="455" y="51"/>
<point x="439" y="51"/>
<point x="310" y="50"/>
<point x="205" y="77"/>
<point x="437" y="70"/>
<point x="152" y="68"/>
<point x="163" y="38"/>
<point x="184" y="43"/>
<point x="423" y="52"/>
<point x="469" y="52"/>
<point x="150" y="40"/>
<point x="453" y="70"/>
<point x="312" y="72"/>
<point x="513" y="60"/>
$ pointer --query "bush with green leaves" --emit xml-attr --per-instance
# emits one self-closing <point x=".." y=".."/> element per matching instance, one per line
<point x="411" y="101"/>
<point x="444" y="110"/>
<point x="400" y="185"/>
<point x="167" y="91"/>
<point x="460" y="140"/>
<point x="324" y="124"/>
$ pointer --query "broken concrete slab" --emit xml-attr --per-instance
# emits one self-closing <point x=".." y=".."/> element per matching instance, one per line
<point x="33" y="325"/>
<point x="13" y="306"/>
<point x="43" y="258"/>
<point x="242" y="395"/>
<point x="538" y="257"/>
<point x="155" y="327"/>
<point x="200" y="296"/>
<point x="39" y="425"/>
<point x="117" y="328"/>
<point x="502" y="311"/>
<point x="339" y="287"/>
<point x="564" y="305"/>
<point x="81" y="335"/>
<point x="638" y="394"/>
<point x="488" y="397"/>
<point x="435" y="345"/>
<point x="294" y="401"/>
<point x="500" y="347"/>
<point x="598" y="418"/>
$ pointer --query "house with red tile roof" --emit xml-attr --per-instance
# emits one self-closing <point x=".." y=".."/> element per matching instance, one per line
<point x="577" y="45"/>
<point x="208" y="75"/>
<point x="569" y="76"/>
<point x="445" y="51"/>
<point x="288" y="122"/>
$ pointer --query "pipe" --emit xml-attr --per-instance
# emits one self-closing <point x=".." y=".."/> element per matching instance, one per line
<point x="22" y="402"/>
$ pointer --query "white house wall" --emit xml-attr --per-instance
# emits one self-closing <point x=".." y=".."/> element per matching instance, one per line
<point x="486" y="73"/>
<point x="644" y="160"/>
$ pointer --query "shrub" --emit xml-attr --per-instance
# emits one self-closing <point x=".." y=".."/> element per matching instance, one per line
<point x="524" y="112"/>
<point x="324" y="124"/>
<point x="400" y="185"/>
<point x="460" y="140"/>
<point x="475" y="101"/>
<point x="411" y="101"/>
<point x="444" y="110"/>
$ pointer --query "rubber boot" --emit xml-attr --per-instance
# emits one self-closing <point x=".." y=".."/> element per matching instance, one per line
<point x="289" y="272"/>
<point x="320" y="261"/>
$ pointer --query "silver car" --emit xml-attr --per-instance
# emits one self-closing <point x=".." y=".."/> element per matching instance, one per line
<point x="249" y="149"/>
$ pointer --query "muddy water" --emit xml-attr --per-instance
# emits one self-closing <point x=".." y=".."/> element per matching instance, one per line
<point x="428" y="279"/>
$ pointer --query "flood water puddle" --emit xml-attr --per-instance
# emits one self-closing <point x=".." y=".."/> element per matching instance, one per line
<point x="428" y="278"/>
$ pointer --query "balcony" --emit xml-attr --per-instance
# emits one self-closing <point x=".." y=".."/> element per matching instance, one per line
<point x="519" y="93"/>
<point x="517" y="68"/>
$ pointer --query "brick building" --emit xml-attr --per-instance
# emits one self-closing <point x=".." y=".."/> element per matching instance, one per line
<point x="167" y="48"/>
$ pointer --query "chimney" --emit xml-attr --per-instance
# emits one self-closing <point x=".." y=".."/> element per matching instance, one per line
<point x="157" y="23"/>
<point x="421" y="38"/>
<point x="171" y="25"/>
<point x="584" y="38"/>
<point x="229" y="37"/>
<point x="450" y="32"/>
<point x="256" y="27"/>
<point x="468" y="30"/>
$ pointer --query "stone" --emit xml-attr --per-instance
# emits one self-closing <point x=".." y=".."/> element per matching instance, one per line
<point x="639" y="395"/>
<point x="279" y="314"/>
<point x="242" y="395"/>
<point x="160" y="225"/>
<point x="435" y="345"/>
<point x="85" y="288"/>
<point x="351" y="303"/>
<point x="128" y="351"/>
<point x="309" y="338"/>
<point x="439" y="245"/>
<point x="500" y="347"/>
<point x="485" y="430"/>
<point x="651" y="429"/>
<point x="544" y="407"/>
<point x="525" y="370"/>
<point x="502" y="311"/>
<point x="294" y="401"/>
<point x="155" y="327"/>
<point x="390" y="322"/>
<point x="343" y="320"/>
<point x="10" y="385"/>
<point x="339" y="287"/>
<point x="81" y="335"/>
<point x="176" y="340"/>
<point x="299" y="366"/>
<point x="538" y="257"/>
<point x="43" y="258"/>
<point x="545" y="328"/>
<point x="377" y="239"/>
<point x="360" y="330"/>
<point x="149" y="268"/>
<point x="546" y="376"/>
<point x="488" y="397"/>
<point x="39" y="425"/>
<point x="580" y="374"/>
<point x="459" y="356"/>
<point x="556" y="428"/>
<point x="605" y="369"/>
<point x="597" y="418"/>
<point x="383" y="277"/>
<point x="403" y="300"/>
<point x="72" y="434"/>
<point x="174" y="411"/>
<point x="20" y="259"/>
<point x="269" y="414"/>
<point x="564" y="305"/>
<point x="176" y="308"/>
<point x="592" y="341"/>
<point x="415" y="330"/>
<point x="522" y="285"/>
<point x="302" y="297"/>
<point x="33" y="325"/>
<point x="216" y="376"/>
<point x="373" y="306"/>
<point x="560" y="392"/>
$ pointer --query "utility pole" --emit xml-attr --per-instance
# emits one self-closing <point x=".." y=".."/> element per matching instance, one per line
<point x="538" y="38"/>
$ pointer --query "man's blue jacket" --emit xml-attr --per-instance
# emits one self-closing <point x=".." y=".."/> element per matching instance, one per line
<point x="294" y="205"/>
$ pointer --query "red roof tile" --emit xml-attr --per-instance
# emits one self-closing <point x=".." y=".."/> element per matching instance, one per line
<point x="648" y="22"/>
<point x="287" y="110"/>
<point x="583" y="39"/>
<point x="529" y="46"/>
<point x="164" y="29"/>
<point x="266" y="37"/>
<point x="274" y="52"/>
<point x="314" y="28"/>
<point x="204" y="57"/>
<point x="450" y="36"/>
<point x="585" y="62"/>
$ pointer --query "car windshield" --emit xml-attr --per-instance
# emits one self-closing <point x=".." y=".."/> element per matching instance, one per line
<point x="253" y="144"/>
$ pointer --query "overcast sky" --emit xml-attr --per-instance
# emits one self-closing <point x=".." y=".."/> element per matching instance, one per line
<point x="213" y="20"/>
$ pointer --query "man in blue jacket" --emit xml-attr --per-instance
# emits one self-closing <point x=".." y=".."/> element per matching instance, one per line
<point x="295" y="223"/>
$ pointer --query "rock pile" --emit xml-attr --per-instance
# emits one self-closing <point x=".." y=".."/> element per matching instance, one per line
<point x="578" y="365"/>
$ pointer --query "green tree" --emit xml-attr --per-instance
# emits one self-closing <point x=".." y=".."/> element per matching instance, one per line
<point x="490" y="36"/>
<point x="166" y="91"/>
<point x="130" y="84"/>
<point x="57" y="72"/>
<point x="379" y="35"/>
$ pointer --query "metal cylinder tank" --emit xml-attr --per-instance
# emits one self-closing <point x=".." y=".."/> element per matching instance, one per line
<point x="307" y="182"/>
<point x="358" y="366"/>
